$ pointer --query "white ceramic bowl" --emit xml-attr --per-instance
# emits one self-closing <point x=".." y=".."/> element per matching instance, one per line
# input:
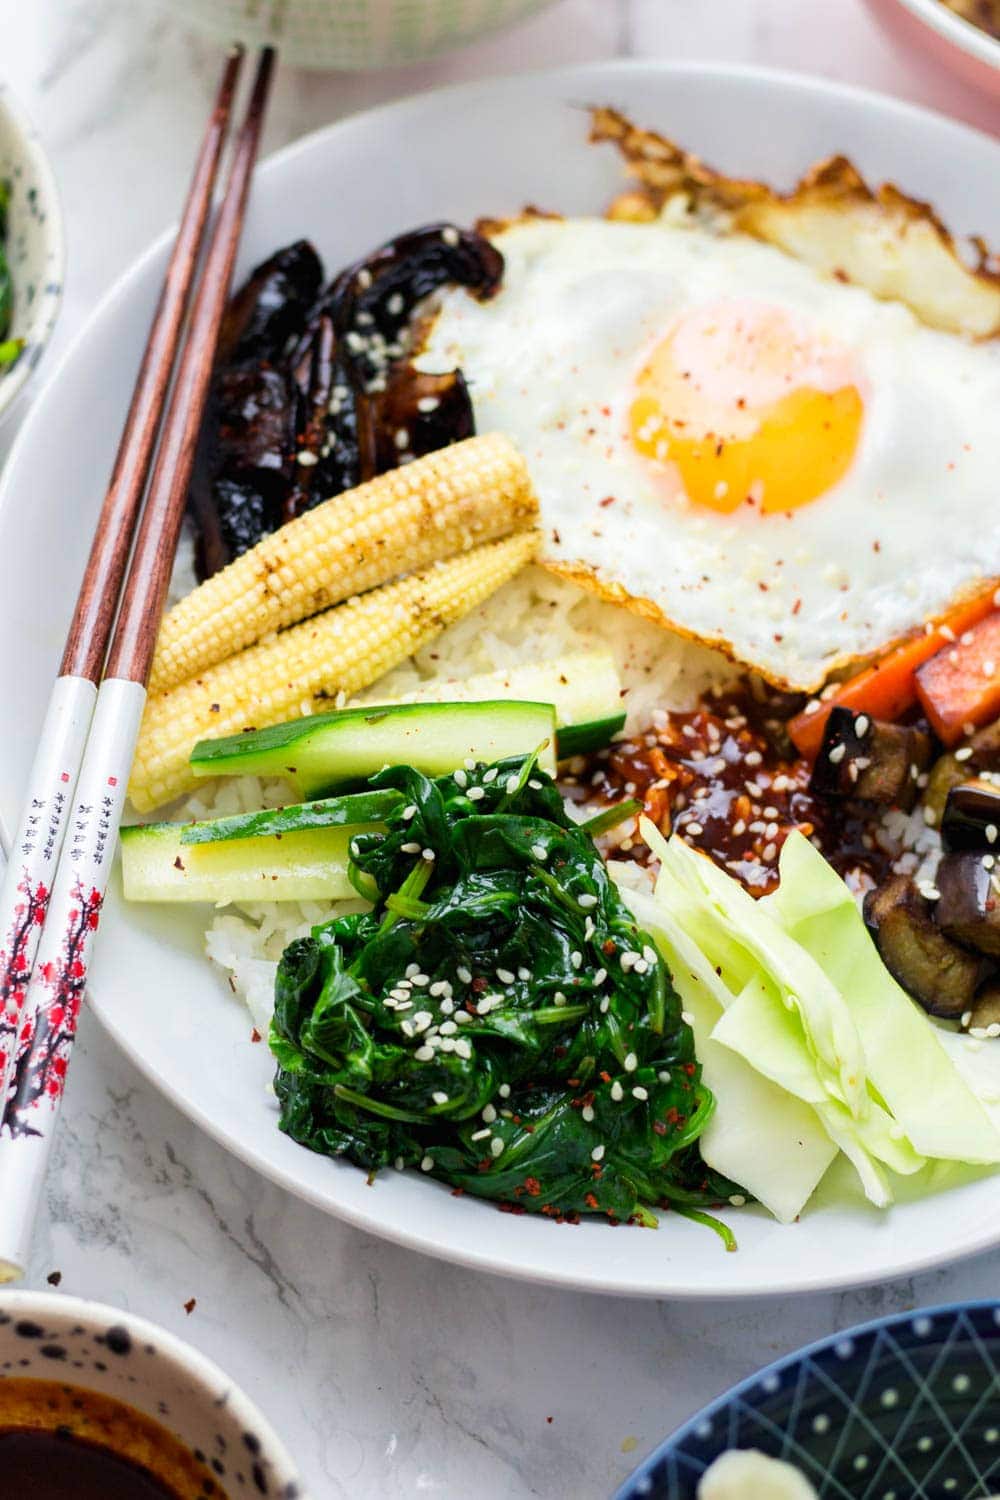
<point x="35" y="247"/>
<point x="929" y="29"/>
<point x="46" y="1336"/>
<point x="353" y="33"/>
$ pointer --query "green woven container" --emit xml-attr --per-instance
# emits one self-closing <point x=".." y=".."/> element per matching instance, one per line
<point x="353" y="33"/>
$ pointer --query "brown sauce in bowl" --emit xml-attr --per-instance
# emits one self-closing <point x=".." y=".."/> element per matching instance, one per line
<point x="63" y="1442"/>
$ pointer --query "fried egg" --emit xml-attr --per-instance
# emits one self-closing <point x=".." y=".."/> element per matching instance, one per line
<point x="730" y="442"/>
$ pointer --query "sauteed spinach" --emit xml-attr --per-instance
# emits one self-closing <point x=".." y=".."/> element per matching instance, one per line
<point x="497" y="1019"/>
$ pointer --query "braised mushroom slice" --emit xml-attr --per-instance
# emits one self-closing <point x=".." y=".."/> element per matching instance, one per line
<point x="971" y="817"/>
<point x="271" y="306"/>
<point x="936" y="972"/>
<point x="870" y="760"/>
<point x="968" y="909"/>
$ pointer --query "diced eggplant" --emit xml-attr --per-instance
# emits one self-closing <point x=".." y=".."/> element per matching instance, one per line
<point x="985" y="746"/>
<point x="968" y="910"/>
<point x="872" y="761"/>
<point x="271" y="306"/>
<point x="971" y="817"/>
<point x="945" y="773"/>
<point x="938" y="974"/>
<point x="985" y="1010"/>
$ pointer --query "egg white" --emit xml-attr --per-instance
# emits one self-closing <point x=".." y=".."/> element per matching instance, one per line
<point x="915" y="522"/>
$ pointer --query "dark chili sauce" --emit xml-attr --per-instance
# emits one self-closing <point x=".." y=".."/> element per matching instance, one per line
<point x="724" y="778"/>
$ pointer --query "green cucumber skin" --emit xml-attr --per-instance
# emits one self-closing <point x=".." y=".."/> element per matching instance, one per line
<point x="581" y="739"/>
<point x="320" y="753"/>
<point x="304" y="866"/>
<point x="328" y="812"/>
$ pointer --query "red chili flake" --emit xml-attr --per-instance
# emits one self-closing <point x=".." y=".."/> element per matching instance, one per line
<point x="613" y="1218"/>
<point x="690" y="1069"/>
<point x="479" y="985"/>
<point x="572" y="1218"/>
<point x="762" y="587"/>
<point x="608" y="946"/>
<point x="255" y="1035"/>
<point x="840" y="274"/>
<point x="560" y="1051"/>
<point x="608" y="500"/>
<point x="178" y="863"/>
<point x="548" y="1419"/>
<point x="529" y="1129"/>
<point x="458" y="1192"/>
<point x="605" y="1077"/>
<point x="796" y="606"/>
<point x="590" y="1200"/>
<point x="190" y="1305"/>
<point x="573" y="1083"/>
<point x="54" y="1278"/>
<point x="533" y="1186"/>
<point x="659" y="1128"/>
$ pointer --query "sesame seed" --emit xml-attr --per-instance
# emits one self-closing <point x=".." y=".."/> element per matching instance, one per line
<point x="511" y="785"/>
<point x="395" y="304"/>
<point x="406" y="1027"/>
<point x="490" y="776"/>
<point x="587" y="902"/>
<point x="428" y="403"/>
<point x="464" y="974"/>
<point x="641" y="966"/>
<point x="424" y="1053"/>
<point x="617" y="1092"/>
<point x="463" y="1049"/>
<point x="409" y="812"/>
<point x="461" y="779"/>
<point x="739" y="827"/>
<point x="991" y="833"/>
<point x="738" y="1200"/>
<point x="399" y="1163"/>
<point x="539" y="851"/>
<point x="589" y="929"/>
<point x="427" y="1164"/>
<point x="587" y="1113"/>
<point x="631" y="1063"/>
<point x="649" y="954"/>
<point x="404" y="1005"/>
<point x="504" y="1091"/>
<point x="523" y="973"/>
<point x="448" y="1028"/>
<point x="439" y="1096"/>
<point x="694" y="829"/>
<point x="401" y="438"/>
<point x="505" y="976"/>
<point x="421" y="980"/>
<point x="429" y="855"/>
<point x="600" y="976"/>
<point x="929" y="816"/>
<point x="605" y="1005"/>
<point x="966" y="1018"/>
<point x="768" y="852"/>
<point x="837" y="754"/>
<point x="450" y="235"/>
<point x="475" y="794"/>
<point x="470" y="764"/>
<point x="462" y="1017"/>
<point x="640" y="1093"/>
<point x="536" y="786"/>
<point x="489" y="1114"/>
<point x="597" y="1154"/>
<point x="559" y="998"/>
<point x="410" y="848"/>
<point x="576" y="958"/>
<point x="496" y="1146"/>
<point x="480" y="1135"/>
<point x="628" y="959"/>
<point x="753" y="757"/>
<point x="964" y="753"/>
<point x="862" y="724"/>
<point x="439" y="987"/>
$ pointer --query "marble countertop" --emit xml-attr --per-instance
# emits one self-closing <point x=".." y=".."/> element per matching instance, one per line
<point x="389" y="1374"/>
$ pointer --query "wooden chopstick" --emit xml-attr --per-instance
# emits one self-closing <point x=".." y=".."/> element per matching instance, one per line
<point x="37" y="843"/>
<point x="68" y="911"/>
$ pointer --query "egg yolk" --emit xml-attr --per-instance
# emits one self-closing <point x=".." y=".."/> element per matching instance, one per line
<point x="747" y="406"/>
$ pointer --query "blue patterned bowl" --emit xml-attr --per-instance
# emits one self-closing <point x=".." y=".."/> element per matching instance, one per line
<point x="35" y="249"/>
<point x="906" y="1408"/>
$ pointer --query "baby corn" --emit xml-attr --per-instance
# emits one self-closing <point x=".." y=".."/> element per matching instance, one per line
<point x="343" y="650"/>
<point x="445" y="503"/>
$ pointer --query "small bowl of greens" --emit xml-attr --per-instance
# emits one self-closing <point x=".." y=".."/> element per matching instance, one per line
<point x="31" y="250"/>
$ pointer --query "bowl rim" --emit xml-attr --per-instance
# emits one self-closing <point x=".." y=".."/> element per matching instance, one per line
<point x="46" y="309"/>
<point x="630" y="1490"/>
<point x="963" y="34"/>
<point x="202" y="1372"/>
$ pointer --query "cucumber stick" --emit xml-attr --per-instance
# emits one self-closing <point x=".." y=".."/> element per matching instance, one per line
<point x="320" y="753"/>
<point x="309" y="865"/>
<point x="581" y="686"/>
<point x="327" y="812"/>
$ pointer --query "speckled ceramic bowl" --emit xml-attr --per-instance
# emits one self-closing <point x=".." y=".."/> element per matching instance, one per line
<point x="905" y="1408"/>
<point x="353" y="33"/>
<point x="35" y="249"/>
<point x="46" y="1336"/>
